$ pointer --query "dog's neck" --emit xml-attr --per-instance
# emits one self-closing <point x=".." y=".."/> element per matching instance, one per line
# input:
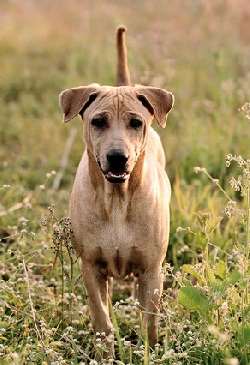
<point x="107" y="191"/>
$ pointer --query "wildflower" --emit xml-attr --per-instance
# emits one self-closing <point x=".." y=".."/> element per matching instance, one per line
<point x="183" y="249"/>
<point x="222" y="337"/>
<point x="23" y="231"/>
<point x="44" y="221"/>
<point x="230" y="208"/>
<point x="241" y="161"/>
<point x="168" y="354"/>
<point x="50" y="174"/>
<point x="224" y="308"/>
<point x="127" y="343"/>
<point x="178" y="275"/>
<point x="228" y="159"/>
<point x="6" y="186"/>
<point x="232" y="361"/>
<point x="180" y="229"/>
<point x="246" y="172"/>
<point x="236" y="183"/>
<point x="93" y="362"/>
<point x="69" y="329"/>
<point x="198" y="169"/>
<point x="14" y="356"/>
<point x="139" y="352"/>
<point x="246" y="110"/>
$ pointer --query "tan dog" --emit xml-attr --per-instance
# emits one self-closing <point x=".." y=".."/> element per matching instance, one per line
<point x="120" y="199"/>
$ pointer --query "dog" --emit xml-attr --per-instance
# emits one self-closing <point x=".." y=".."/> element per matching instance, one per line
<point x="119" y="204"/>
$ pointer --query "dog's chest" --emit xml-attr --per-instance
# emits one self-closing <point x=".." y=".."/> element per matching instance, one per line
<point x="118" y="242"/>
<point x="119" y="248"/>
<point x="118" y="229"/>
<point x="119" y="235"/>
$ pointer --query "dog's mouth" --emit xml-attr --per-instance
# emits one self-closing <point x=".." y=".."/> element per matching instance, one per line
<point x="116" y="177"/>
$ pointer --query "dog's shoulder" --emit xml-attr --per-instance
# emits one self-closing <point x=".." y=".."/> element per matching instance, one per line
<point x="154" y="147"/>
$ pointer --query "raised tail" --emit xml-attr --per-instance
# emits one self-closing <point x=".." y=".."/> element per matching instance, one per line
<point x="123" y="76"/>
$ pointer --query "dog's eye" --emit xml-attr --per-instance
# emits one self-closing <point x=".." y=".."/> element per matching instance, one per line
<point x="135" y="123"/>
<point x="99" y="122"/>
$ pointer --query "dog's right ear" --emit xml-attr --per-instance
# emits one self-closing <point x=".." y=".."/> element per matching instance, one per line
<point x="76" y="100"/>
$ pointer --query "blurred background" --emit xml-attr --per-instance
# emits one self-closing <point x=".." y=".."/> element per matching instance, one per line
<point x="197" y="49"/>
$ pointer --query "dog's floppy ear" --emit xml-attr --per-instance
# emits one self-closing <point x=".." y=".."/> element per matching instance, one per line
<point x="76" y="100"/>
<point x="158" y="102"/>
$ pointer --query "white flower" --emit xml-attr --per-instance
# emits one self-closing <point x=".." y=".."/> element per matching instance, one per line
<point x="246" y="110"/>
<point x="127" y="343"/>
<point x="198" y="169"/>
<point x="6" y="186"/>
<point x="232" y="361"/>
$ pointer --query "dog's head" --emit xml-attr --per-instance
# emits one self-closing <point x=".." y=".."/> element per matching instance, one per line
<point x="117" y="121"/>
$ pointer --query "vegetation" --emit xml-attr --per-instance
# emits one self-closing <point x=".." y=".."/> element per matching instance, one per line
<point x="200" y="51"/>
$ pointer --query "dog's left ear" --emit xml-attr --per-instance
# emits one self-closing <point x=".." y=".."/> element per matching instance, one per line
<point x="76" y="100"/>
<point x="159" y="102"/>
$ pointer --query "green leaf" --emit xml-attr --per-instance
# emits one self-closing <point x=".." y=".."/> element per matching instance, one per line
<point x="194" y="300"/>
<point x="220" y="269"/>
<point x="190" y="270"/>
<point x="219" y="286"/>
<point x="244" y="335"/>
<point x="234" y="277"/>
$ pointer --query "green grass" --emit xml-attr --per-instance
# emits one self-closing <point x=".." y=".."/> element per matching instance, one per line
<point x="201" y="53"/>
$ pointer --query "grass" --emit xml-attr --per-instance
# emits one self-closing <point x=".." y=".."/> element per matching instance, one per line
<point x="198" y="50"/>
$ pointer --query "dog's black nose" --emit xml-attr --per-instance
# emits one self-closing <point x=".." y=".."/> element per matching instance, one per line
<point x="117" y="160"/>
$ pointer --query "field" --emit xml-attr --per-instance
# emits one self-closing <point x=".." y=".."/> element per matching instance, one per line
<point x="200" y="51"/>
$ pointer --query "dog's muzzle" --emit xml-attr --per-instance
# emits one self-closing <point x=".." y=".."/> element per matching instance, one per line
<point x="116" y="167"/>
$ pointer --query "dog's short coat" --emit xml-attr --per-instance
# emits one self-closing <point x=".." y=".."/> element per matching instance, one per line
<point x="120" y="200"/>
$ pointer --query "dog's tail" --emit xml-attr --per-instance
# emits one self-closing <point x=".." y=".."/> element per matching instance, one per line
<point x="123" y="76"/>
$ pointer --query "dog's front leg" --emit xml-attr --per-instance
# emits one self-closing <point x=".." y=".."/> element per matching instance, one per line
<point x="150" y="290"/>
<point x="96" y="285"/>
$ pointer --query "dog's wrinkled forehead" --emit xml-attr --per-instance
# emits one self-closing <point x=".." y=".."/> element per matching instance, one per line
<point x="150" y="101"/>
<point x="117" y="102"/>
